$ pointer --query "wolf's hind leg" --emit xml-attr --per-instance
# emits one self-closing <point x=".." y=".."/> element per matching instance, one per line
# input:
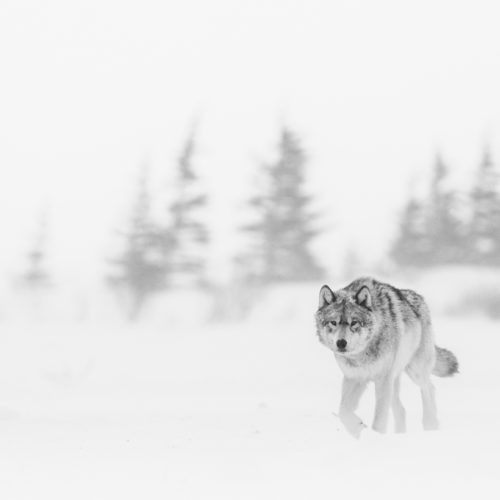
<point x="423" y="380"/>
<point x="398" y="408"/>
<point x="352" y="390"/>
<point x="429" y="420"/>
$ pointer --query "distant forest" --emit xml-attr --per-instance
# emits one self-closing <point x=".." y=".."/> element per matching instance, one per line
<point x="443" y="227"/>
<point x="448" y="227"/>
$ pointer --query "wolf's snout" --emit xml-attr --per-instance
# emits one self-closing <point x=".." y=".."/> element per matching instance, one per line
<point x="341" y="344"/>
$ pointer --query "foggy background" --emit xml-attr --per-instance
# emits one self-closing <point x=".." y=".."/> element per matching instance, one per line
<point x="177" y="181"/>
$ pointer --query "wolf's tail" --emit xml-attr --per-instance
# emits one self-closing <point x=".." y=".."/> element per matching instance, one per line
<point x="446" y="363"/>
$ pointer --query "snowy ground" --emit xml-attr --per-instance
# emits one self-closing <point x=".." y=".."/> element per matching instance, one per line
<point x="242" y="411"/>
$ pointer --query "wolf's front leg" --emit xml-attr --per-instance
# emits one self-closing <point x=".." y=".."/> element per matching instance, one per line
<point x="352" y="390"/>
<point x="383" y="396"/>
<point x="397" y="408"/>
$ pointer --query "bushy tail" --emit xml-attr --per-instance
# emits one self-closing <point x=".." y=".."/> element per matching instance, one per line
<point x="446" y="363"/>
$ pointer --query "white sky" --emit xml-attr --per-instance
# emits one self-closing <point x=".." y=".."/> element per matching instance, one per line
<point x="89" y="90"/>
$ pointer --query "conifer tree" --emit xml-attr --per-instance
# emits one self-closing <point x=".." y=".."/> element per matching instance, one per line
<point x="412" y="244"/>
<point x="36" y="275"/>
<point x="484" y="229"/>
<point x="444" y="229"/>
<point x="140" y="269"/>
<point x="285" y="226"/>
<point x="187" y="235"/>
<point x="430" y="232"/>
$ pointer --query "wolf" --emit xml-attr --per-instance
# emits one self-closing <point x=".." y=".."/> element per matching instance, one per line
<point x="376" y="332"/>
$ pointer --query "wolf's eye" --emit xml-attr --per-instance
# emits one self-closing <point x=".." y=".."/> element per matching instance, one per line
<point x="354" y="323"/>
<point x="332" y="323"/>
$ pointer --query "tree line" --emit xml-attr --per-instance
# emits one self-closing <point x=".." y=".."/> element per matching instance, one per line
<point x="168" y="252"/>
<point x="452" y="227"/>
<point x="158" y="256"/>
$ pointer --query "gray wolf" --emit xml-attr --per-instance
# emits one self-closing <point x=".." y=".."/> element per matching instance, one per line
<point x="377" y="332"/>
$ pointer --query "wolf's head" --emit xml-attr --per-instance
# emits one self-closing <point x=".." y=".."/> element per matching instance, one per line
<point x="345" y="319"/>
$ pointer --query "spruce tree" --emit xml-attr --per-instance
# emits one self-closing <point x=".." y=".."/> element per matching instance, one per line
<point x="412" y="246"/>
<point x="187" y="236"/>
<point x="484" y="229"/>
<point x="140" y="269"/>
<point x="285" y="226"/>
<point x="36" y="275"/>
<point x="444" y="229"/>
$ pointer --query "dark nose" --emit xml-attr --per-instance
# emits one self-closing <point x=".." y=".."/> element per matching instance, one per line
<point x="341" y="343"/>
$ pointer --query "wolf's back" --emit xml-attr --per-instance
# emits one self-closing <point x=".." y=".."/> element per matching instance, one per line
<point x="446" y="363"/>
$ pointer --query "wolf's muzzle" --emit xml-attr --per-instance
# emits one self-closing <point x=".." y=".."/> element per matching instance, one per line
<point x="341" y="344"/>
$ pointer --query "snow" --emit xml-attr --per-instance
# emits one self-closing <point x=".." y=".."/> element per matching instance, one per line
<point x="243" y="410"/>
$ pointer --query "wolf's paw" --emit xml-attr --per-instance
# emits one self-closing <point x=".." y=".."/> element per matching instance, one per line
<point x="355" y="430"/>
<point x="354" y="426"/>
<point x="400" y="428"/>
<point x="430" y="425"/>
<point x="379" y="427"/>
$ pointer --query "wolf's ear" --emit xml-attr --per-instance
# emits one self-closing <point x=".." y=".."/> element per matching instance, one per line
<point x="364" y="298"/>
<point x="326" y="296"/>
